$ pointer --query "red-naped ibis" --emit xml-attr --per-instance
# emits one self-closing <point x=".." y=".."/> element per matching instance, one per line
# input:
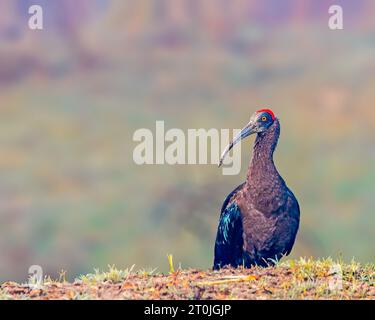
<point x="260" y="218"/>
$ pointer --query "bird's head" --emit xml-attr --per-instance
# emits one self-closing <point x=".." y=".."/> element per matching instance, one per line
<point x="259" y="122"/>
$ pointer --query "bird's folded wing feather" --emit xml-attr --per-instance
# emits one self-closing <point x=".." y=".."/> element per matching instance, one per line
<point x="229" y="240"/>
<point x="294" y="210"/>
<point x="230" y="196"/>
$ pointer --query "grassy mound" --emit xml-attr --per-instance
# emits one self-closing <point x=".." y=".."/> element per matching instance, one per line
<point x="294" y="279"/>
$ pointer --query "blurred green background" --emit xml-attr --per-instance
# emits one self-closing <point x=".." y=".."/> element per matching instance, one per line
<point x="72" y="95"/>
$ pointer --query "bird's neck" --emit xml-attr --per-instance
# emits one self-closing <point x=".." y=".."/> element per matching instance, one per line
<point x="261" y="164"/>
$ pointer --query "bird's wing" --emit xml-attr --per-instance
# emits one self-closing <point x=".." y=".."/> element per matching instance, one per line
<point x="229" y="239"/>
<point x="293" y="209"/>
<point x="230" y="196"/>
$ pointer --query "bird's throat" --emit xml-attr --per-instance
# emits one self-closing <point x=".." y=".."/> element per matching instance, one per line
<point x="261" y="165"/>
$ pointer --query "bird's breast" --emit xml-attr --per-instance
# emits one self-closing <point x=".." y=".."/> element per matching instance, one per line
<point x="267" y="197"/>
<point x="265" y="232"/>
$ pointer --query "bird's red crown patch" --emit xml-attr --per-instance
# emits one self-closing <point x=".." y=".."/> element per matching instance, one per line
<point x="269" y="111"/>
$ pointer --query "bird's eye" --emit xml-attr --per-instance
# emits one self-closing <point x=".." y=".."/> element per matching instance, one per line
<point x="264" y="118"/>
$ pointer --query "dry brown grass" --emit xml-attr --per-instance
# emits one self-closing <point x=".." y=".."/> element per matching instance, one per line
<point x="295" y="279"/>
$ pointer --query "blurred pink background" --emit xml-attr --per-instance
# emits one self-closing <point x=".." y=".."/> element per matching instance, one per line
<point x="72" y="95"/>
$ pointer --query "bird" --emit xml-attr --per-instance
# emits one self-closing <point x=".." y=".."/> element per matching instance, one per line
<point x="259" y="219"/>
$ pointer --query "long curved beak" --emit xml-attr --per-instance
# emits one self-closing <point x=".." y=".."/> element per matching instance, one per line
<point x="245" y="132"/>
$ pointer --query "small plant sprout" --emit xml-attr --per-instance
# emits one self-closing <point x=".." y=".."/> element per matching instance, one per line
<point x="62" y="276"/>
<point x="170" y="261"/>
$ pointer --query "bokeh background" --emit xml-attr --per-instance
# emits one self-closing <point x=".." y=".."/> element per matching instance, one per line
<point x="72" y="95"/>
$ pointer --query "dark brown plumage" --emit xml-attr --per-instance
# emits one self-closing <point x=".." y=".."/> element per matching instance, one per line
<point x="260" y="218"/>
